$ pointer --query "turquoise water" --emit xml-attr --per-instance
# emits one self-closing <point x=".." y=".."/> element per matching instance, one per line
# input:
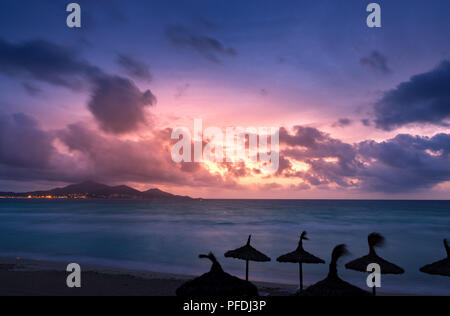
<point x="168" y="237"/>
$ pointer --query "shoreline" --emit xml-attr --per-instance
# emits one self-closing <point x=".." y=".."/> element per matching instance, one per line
<point x="30" y="277"/>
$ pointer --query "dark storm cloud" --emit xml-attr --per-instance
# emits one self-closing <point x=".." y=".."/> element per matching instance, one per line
<point x="118" y="105"/>
<point x="405" y="163"/>
<point x="207" y="46"/>
<point x="27" y="154"/>
<point x="116" y="102"/>
<point x="144" y="160"/>
<point x="425" y="98"/>
<point x="22" y="143"/>
<point x="43" y="61"/>
<point x="134" y="68"/>
<point x="343" y="122"/>
<point x="439" y="143"/>
<point x="322" y="146"/>
<point x="236" y="170"/>
<point x="284" y="164"/>
<point x="376" y="61"/>
<point x="309" y="142"/>
<point x="303" y="136"/>
<point x="365" y="122"/>
<point x="315" y="148"/>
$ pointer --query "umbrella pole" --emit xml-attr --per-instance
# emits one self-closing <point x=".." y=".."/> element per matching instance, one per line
<point x="300" y="267"/>
<point x="374" y="290"/>
<point x="246" y="270"/>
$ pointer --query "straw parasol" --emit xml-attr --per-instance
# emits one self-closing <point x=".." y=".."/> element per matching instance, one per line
<point x="332" y="285"/>
<point x="247" y="253"/>
<point x="441" y="267"/>
<point x="216" y="283"/>
<point x="300" y="256"/>
<point x="375" y="240"/>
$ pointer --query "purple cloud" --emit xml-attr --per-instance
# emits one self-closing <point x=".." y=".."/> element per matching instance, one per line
<point x="424" y="99"/>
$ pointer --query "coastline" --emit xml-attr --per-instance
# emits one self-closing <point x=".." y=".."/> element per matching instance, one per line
<point x="129" y="235"/>
<point x="28" y="277"/>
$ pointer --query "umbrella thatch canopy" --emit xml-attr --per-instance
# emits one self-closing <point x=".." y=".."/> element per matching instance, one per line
<point x="375" y="240"/>
<point x="300" y="256"/>
<point x="441" y="267"/>
<point x="247" y="253"/>
<point x="333" y="285"/>
<point x="216" y="283"/>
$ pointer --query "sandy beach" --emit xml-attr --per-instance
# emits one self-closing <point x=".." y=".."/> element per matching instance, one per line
<point x="24" y="277"/>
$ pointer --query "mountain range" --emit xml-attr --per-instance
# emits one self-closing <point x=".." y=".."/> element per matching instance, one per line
<point x="90" y="189"/>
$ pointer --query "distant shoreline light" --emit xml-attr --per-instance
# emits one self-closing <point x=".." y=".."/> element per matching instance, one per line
<point x="48" y="197"/>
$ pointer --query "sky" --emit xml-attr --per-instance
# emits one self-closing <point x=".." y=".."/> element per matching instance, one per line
<point x="363" y="112"/>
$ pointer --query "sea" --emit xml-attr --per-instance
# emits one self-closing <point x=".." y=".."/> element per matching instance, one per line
<point x="169" y="236"/>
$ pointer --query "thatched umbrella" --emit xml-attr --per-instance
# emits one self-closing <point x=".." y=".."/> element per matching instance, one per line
<point x="332" y="285"/>
<point x="247" y="253"/>
<point x="375" y="240"/>
<point x="216" y="283"/>
<point x="441" y="267"/>
<point x="300" y="256"/>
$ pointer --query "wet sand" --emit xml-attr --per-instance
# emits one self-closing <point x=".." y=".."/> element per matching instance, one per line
<point x="19" y="277"/>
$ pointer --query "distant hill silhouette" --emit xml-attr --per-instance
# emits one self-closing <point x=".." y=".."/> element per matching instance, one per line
<point x="92" y="189"/>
